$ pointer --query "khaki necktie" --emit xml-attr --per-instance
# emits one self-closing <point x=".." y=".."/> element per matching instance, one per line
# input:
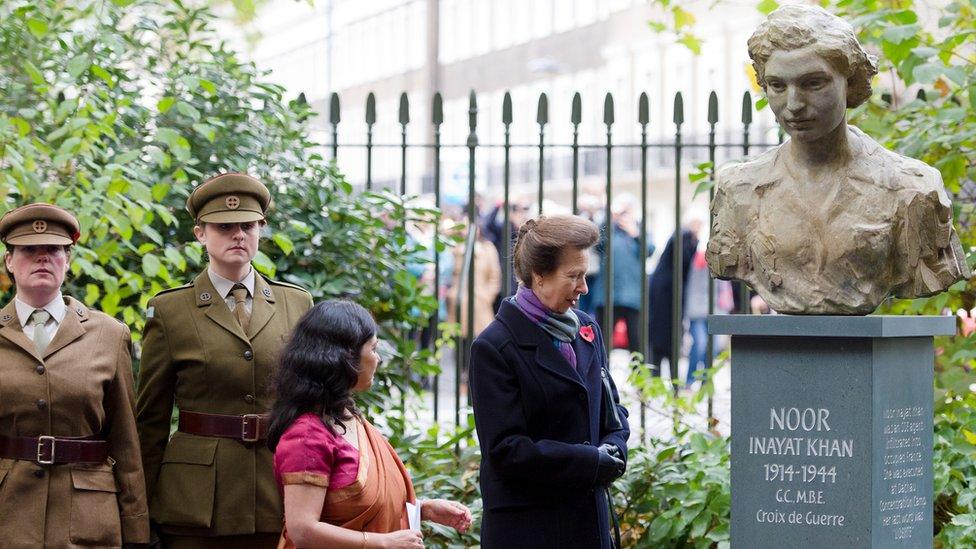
<point x="41" y="340"/>
<point x="240" y="310"/>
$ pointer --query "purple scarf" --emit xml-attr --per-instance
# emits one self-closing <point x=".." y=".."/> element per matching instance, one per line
<point x="563" y="327"/>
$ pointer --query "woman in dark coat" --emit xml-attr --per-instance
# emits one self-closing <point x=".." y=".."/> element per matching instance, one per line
<point x="661" y="292"/>
<point x="536" y="388"/>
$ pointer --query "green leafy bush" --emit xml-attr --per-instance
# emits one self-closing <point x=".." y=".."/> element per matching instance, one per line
<point x="955" y="469"/>
<point x="676" y="494"/>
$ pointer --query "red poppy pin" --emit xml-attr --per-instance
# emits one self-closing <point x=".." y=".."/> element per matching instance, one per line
<point x="586" y="332"/>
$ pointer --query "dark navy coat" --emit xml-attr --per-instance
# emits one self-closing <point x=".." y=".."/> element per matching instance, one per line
<point x="538" y="423"/>
<point x="662" y="290"/>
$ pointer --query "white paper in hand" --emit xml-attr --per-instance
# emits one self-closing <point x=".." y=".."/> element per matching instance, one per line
<point x="413" y="515"/>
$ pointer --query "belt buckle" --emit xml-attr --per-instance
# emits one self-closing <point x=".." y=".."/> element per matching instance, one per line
<point x="41" y="440"/>
<point x="248" y="420"/>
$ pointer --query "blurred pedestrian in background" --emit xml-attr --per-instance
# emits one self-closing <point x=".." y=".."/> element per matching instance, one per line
<point x="661" y="296"/>
<point x="696" y="311"/>
<point x="628" y="270"/>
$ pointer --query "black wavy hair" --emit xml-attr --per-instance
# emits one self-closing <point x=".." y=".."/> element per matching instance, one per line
<point x="319" y="365"/>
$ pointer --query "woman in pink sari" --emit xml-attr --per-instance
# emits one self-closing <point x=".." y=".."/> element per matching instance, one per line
<point x="343" y="484"/>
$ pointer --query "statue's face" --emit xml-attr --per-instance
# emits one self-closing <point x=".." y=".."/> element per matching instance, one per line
<point x="807" y="95"/>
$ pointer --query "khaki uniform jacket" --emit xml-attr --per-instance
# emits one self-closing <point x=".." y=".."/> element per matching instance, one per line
<point x="81" y="387"/>
<point x="196" y="354"/>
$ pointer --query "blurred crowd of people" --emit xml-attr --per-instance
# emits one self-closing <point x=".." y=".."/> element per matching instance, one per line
<point x="491" y="251"/>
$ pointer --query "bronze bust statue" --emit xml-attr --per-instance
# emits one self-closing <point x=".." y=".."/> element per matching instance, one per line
<point x="829" y="222"/>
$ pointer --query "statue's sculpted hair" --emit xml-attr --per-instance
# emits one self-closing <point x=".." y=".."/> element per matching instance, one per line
<point x="797" y="26"/>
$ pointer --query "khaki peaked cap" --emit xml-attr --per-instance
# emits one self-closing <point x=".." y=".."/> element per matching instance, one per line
<point x="39" y="224"/>
<point x="229" y="198"/>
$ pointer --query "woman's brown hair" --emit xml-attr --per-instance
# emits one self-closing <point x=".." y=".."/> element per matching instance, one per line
<point x="541" y="242"/>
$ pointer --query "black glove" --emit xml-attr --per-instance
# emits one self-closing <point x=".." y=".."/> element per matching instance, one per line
<point x="613" y="450"/>
<point x="608" y="467"/>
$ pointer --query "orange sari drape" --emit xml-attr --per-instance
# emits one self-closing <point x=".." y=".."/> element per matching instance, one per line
<point x="376" y="500"/>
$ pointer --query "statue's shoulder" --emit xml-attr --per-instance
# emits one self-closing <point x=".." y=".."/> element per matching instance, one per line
<point x="904" y="175"/>
<point x="739" y="176"/>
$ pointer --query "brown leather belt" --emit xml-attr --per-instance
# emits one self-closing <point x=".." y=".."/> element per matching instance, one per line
<point x="246" y="428"/>
<point x="48" y="450"/>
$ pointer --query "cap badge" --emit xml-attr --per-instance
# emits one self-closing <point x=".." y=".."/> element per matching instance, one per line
<point x="266" y="292"/>
<point x="233" y="202"/>
<point x="205" y="296"/>
<point x="40" y="226"/>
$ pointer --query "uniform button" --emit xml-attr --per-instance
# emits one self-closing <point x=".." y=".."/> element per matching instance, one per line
<point x="581" y="396"/>
<point x="39" y="473"/>
<point x="249" y="399"/>
<point x="40" y="370"/>
<point x="248" y="354"/>
<point x="41" y="403"/>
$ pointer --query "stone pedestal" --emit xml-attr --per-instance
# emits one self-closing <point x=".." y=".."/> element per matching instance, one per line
<point x="831" y="430"/>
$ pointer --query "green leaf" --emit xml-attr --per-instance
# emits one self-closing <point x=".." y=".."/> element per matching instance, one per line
<point x="169" y="136"/>
<point x="953" y="114"/>
<point x="23" y="127"/>
<point x="127" y="157"/>
<point x="924" y="52"/>
<point x="682" y="18"/>
<point x="78" y="65"/>
<point x="207" y="131"/>
<point x="165" y="104"/>
<point x="957" y="74"/>
<point x="905" y="17"/>
<point x="37" y="27"/>
<point x="283" y="242"/>
<point x="159" y="157"/>
<point x="657" y="26"/>
<point x="264" y="265"/>
<point x="928" y="72"/>
<point x="92" y="294"/>
<point x="174" y="257"/>
<point x="34" y="73"/>
<point x="103" y="74"/>
<point x="68" y="146"/>
<point x="767" y="6"/>
<point x="153" y="234"/>
<point x="151" y="265"/>
<point x="187" y="110"/>
<point x="691" y="42"/>
<point x="899" y="33"/>
<point x="159" y="191"/>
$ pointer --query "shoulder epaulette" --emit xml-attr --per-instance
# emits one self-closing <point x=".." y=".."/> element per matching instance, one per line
<point x="285" y="284"/>
<point x="171" y="290"/>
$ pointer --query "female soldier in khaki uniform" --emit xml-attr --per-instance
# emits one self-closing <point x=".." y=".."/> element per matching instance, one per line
<point x="210" y="347"/>
<point x="70" y="472"/>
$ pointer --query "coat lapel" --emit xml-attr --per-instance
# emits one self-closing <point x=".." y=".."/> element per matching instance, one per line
<point x="71" y="328"/>
<point x="262" y="305"/>
<point x="10" y="328"/>
<point x="526" y="334"/>
<point x="216" y="310"/>
<point x="585" y="353"/>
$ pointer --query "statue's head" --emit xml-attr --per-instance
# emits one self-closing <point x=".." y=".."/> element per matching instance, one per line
<point x="798" y="26"/>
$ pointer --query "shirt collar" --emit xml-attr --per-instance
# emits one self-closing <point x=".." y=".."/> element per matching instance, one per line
<point x="56" y="308"/>
<point x="224" y="286"/>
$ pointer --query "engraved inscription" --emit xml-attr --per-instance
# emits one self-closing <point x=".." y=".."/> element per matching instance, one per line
<point x="901" y="504"/>
<point x="800" y="480"/>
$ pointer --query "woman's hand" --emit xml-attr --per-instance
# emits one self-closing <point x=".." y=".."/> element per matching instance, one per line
<point x="448" y="513"/>
<point x="401" y="539"/>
